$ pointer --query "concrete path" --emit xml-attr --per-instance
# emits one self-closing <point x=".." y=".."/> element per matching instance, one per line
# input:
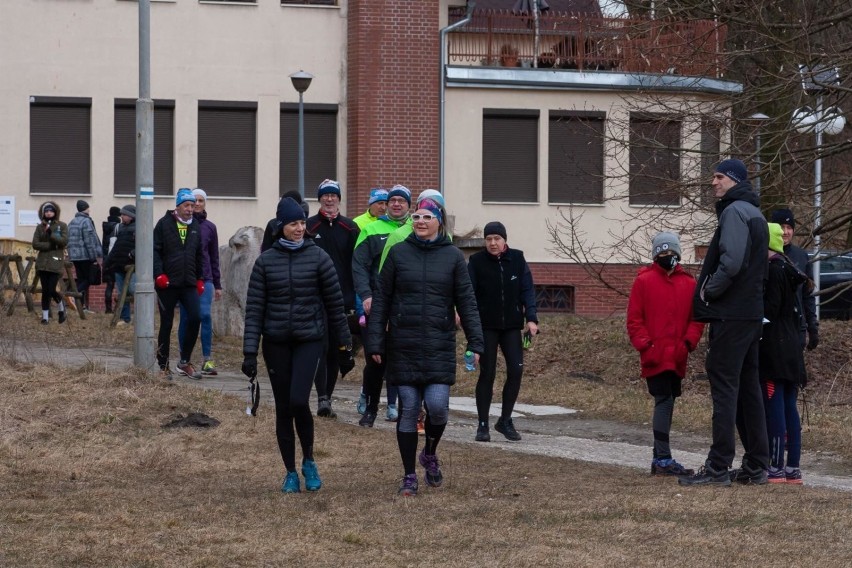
<point x="546" y="430"/>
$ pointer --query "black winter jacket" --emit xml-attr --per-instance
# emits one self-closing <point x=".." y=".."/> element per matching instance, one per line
<point x="731" y="283"/>
<point x="337" y="238"/>
<point x="124" y="248"/>
<point x="108" y="229"/>
<point x="290" y="295"/>
<point x="805" y="300"/>
<point x="412" y="322"/>
<point x="780" y="348"/>
<point x="504" y="289"/>
<point x="180" y="261"/>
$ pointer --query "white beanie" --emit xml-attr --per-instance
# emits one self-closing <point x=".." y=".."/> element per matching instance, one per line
<point x="198" y="191"/>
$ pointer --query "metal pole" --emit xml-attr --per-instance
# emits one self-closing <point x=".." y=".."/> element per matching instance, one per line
<point x="144" y="354"/>
<point x="820" y="125"/>
<point x="301" y="146"/>
<point x="536" y="32"/>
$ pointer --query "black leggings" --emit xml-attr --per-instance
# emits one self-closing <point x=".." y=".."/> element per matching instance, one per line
<point x="509" y="341"/>
<point x="292" y="369"/>
<point x="81" y="273"/>
<point x="167" y="300"/>
<point x="48" y="281"/>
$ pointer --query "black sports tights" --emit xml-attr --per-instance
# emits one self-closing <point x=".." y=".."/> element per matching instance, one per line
<point x="292" y="368"/>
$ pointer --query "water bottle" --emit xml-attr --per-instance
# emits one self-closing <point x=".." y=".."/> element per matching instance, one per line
<point x="469" y="361"/>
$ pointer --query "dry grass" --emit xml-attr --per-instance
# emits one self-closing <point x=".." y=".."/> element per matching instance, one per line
<point x="90" y="478"/>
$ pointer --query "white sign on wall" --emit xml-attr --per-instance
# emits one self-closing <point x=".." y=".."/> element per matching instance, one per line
<point x="28" y="218"/>
<point x="7" y="216"/>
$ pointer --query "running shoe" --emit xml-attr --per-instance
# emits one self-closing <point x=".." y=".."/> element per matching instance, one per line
<point x="430" y="463"/>
<point x="311" y="475"/>
<point x="775" y="475"/>
<point x="291" y="483"/>
<point x="794" y="476"/>
<point x="408" y="488"/>
<point x="392" y="414"/>
<point x="209" y="368"/>
<point x="362" y="404"/>
<point x="482" y="433"/>
<point x="507" y="428"/>
<point x="186" y="369"/>
<point x="707" y="476"/>
<point x="664" y="467"/>
<point x="324" y="407"/>
<point x="367" y="420"/>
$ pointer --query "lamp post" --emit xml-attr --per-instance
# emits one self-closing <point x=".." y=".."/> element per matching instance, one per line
<point x="301" y="82"/>
<point x="818" y="81"/>
<point x="758" y="117"/>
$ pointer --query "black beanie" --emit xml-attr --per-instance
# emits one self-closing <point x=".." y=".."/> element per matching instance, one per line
<point x="82" y="205"/>
<point x="495" y="228"/>
<point x="783" y="217"/>
<point x="288" y="211"/>
<point x="114" y="211"/>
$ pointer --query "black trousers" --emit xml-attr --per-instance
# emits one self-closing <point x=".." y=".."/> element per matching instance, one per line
<point x="81" y="273"/>
<point x="326" y="379"/>
<point x="167" y="300"/>
<point x="732" y="368"/>
<point x="509" y="342"/>
<point x="292" y="368"/>
<point x="48" y="281"/>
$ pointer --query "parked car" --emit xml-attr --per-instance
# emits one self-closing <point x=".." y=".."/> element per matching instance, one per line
<point x="835" y="270"/>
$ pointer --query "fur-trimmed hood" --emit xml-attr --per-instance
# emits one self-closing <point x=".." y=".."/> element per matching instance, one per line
<point x="52" y="204"/>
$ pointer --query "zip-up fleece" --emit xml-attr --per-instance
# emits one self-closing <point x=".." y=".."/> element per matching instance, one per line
<point x="504" y="289"/>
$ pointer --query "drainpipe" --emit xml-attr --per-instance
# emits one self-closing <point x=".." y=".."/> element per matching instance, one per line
<point x="442" y="120"/>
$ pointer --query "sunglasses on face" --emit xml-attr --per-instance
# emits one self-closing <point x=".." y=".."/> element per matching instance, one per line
<point x="422" y="217"/>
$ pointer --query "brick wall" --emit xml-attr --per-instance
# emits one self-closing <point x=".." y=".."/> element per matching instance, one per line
<point x="392" y="97"/>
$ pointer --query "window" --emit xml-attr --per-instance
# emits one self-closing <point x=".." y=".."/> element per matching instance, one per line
<point x="320" y="146"/>
<point x="312" y="3"/>
<point x="60" y="145"/>
<point x="124" y="161"/>
<point x="227" y="148"/>
<point x="576" y="157"/>
<point x="554" y="299"/>
<point x="654" y="160"/>
<point x="711" y="135"/>
<point x="510" y="155"/>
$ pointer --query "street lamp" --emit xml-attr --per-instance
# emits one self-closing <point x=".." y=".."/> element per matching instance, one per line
<point x="818" y="81"/>
<point x="758" y="117"/>
<point x="301" y="82"/>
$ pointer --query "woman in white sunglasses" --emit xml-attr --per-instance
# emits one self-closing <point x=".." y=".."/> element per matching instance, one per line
<point x="424" y="281"/>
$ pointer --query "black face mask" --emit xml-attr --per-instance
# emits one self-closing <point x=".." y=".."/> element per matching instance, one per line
<point x="666" y="262"/>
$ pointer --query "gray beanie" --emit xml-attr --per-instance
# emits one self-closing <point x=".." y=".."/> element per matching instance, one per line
<point x="129" y="210"/>
<point x="664" y="242"/>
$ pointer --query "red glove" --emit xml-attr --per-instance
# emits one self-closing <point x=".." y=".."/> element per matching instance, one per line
<point x="199" y="285"/>
<point x="161" y="282"/>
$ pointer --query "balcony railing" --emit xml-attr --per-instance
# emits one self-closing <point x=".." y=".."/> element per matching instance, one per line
<point x="589" y="43"/>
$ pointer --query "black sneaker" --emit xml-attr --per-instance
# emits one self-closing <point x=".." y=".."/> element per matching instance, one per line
<point x="367" y="420"/>
<point x="44" y="322"/>
<point x="62" y="316"/>
<point x="324" y="408"/>
<point x="749" y="476"/>
<point x="482" y="433"/>
<point x="707" y="476"/>
<point x="505" y="427"/>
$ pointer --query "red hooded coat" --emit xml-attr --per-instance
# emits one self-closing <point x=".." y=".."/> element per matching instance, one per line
<point x="659" y="319"/>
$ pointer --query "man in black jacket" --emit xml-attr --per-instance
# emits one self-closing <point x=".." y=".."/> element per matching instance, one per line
<point x="805" y="301"/>
<point x="177" y="273"/>
<point x="336" y="235"/>
<point x="121" y="256"/>
<point x="107" y="230"/>
<point x="729" y="296"/>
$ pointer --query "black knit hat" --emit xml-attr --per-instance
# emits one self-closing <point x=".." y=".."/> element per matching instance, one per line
<point x="82" y="205"/>
<point x="495" y="228"/>
<point x="783" y="217"/>
<point x="114" y="211"/>
<point x="288" y="211"/>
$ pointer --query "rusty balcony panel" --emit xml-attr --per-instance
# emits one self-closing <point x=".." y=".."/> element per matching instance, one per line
<point x="589" y="43"/>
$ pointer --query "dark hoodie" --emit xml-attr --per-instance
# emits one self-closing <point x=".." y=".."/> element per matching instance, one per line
<point x="50" y="241"/>
<point x="731" y="283"/>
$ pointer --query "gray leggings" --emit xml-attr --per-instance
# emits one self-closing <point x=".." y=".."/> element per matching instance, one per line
<point x="412" y="397"/>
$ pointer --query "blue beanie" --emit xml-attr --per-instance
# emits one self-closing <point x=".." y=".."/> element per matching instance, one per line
<point x="734" y="169"/>
<point x="184" y="194"/>
<point x="432" y="194"/>
<point x="329" y="186"/>
<point x="288" y="211"/>
<point x="400" y="191"/>
<point x="377" y="194"/>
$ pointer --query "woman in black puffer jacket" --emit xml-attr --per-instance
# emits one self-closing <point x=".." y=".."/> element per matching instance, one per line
<point x="292" y="292"/>
<point x="412" y="324"/>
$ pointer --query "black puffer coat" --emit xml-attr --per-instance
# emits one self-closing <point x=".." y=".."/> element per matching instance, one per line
<point x="780" y="349"/>
<point x="179" y="260"/>
<point x="422" y="284"/>
<point x="289" y="294"/>
<point x="124" y="249"/>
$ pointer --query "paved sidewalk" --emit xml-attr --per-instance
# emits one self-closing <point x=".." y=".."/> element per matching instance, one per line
<point x="546" y="430"/>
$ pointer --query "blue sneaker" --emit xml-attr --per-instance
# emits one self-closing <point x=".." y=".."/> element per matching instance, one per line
<point x="291" y="483"/>
<point x="392" y="414"/>
<point x="362" y="404"/>
<point x="311" y="475"/>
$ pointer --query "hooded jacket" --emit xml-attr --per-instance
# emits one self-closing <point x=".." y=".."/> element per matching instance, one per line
<point x="780" y="348"/>
<point x="50" y="241"/>
<point x="209" y="250"/>
<point x="412" y="322"/>
<point x="291" y="295"/>
<point x="504" y="290"/>
<point x="178" y="259"/>
<point x="659" y="319"/>
<point x="731" y="283"/>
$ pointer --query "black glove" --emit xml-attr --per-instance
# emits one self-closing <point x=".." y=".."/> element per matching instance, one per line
<point x="249" y="367"/>
<point x="813" y="339"/>
<point x="345" y="359"/>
